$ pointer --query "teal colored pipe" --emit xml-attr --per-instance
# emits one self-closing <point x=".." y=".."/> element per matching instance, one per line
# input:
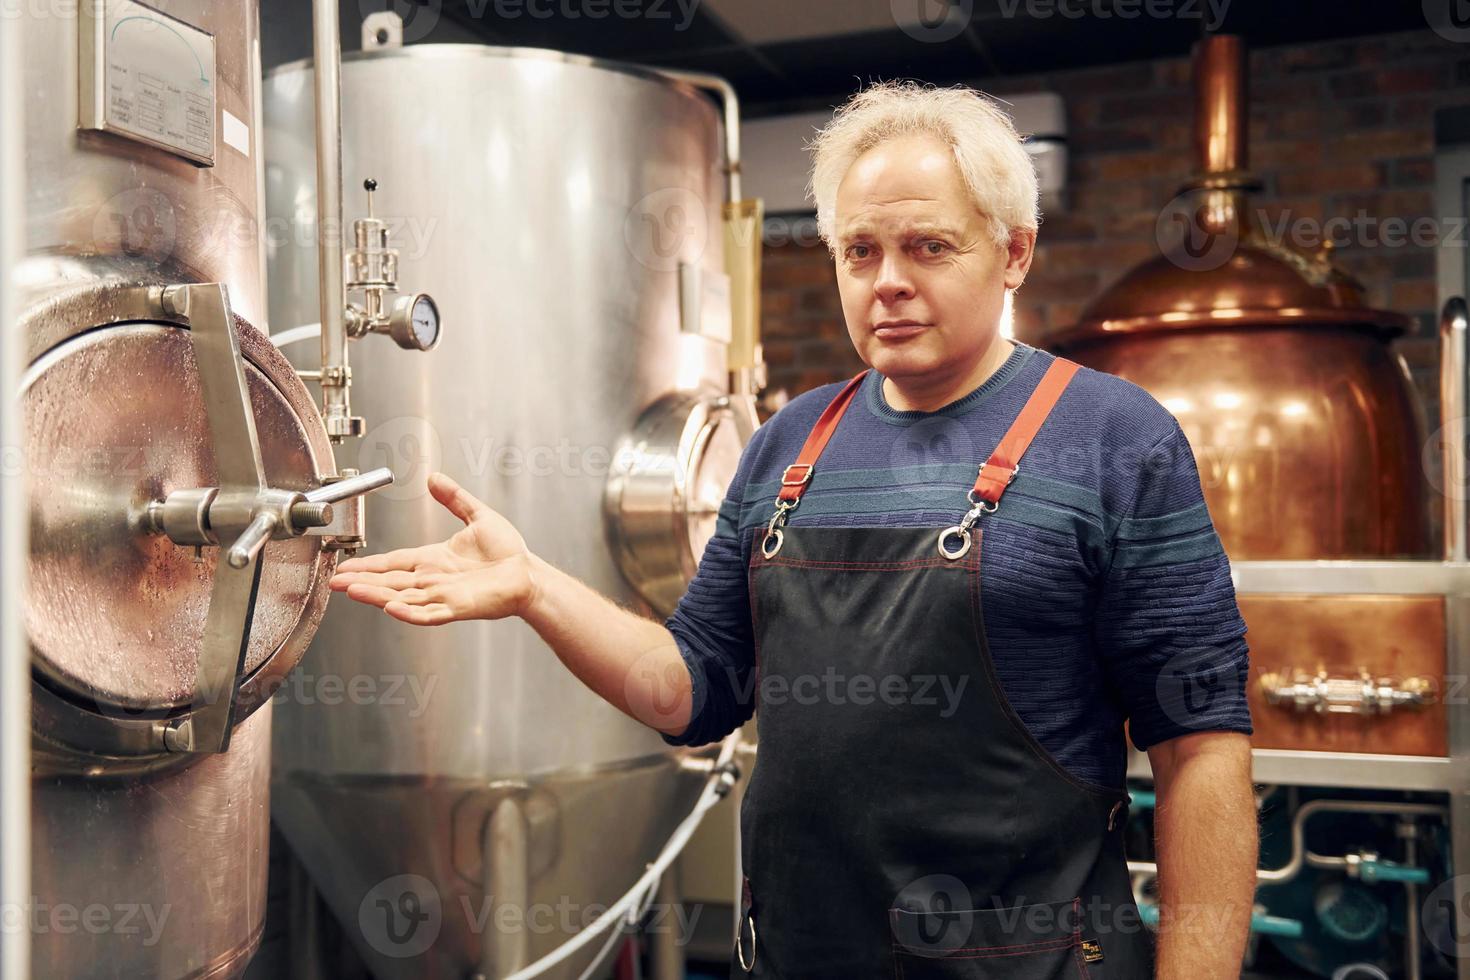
<point x="1372" y="871"/>
<point x="1266" y="925"/>
<point x="1141" y="799"/>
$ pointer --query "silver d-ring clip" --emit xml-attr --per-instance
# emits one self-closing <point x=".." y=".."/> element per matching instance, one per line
<point x="773" y="529"/>
<point x="964" y="535"/>
<point x="740" y="942"/>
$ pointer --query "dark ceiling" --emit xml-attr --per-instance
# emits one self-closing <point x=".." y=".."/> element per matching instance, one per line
<point x="786" y="55"/>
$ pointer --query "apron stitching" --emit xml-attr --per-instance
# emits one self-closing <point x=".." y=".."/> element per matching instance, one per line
<point x="997" y="956"/>
<point x="1040" y="945"/>
<point x="1077" y="938"/>
<point x="866" y="566"/>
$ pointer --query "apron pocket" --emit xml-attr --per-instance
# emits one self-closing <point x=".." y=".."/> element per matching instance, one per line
<point x="1021" y="942"/>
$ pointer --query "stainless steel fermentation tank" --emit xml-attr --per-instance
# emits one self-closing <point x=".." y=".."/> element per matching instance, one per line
<point x="155" y="412"/>
<point x="566" y="215"/>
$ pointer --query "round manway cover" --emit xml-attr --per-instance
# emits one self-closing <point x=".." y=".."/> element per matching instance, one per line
<point x="115" y="418"/>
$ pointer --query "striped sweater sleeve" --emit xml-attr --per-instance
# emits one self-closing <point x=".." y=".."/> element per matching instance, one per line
<point x="712" y="626"/>
<point x="1168" y="628"/>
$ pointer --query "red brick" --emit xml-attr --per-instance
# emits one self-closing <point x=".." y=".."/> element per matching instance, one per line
<point x="1306" y="58"/>
<point x="1174" y="72"/>
<point x="1067" y="226"/>
<point x="1414" y="172"/>
<point x="1353" y="84"/>
<point x="814" y="270"/>
<point x="1414" y="296"/>
<point x="1406" y="81"/>
<point x="776" y="301"/>
<point x="1099" y="199"/>
<point x="1284" y="154"/>
<point x="1323" y="180"/>
<point x="1381" y="143"/>
<point x="1133" y="166"/>
<point x="1420" y="353"/>
<point x="1043" y="287"/>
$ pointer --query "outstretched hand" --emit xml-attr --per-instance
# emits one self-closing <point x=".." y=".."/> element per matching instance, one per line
<point x="482" y="572"/>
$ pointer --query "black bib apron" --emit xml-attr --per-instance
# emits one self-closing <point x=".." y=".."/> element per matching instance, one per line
<point x="901" y="822"/>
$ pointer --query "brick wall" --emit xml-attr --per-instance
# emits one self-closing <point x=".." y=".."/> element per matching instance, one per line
<point x="1336" y="128"/>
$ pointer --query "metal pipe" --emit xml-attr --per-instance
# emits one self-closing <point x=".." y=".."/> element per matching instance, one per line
<point x="327" y="47"/>
<point x="352" y="486"/>
<point x="1220" y="105"/>
<point x="15" y="661"/>
<point x="1452" y="410"/>
<point x="730" y="102"/>
<point x="1299" y="853"/>
<point x="1412" y="956"/>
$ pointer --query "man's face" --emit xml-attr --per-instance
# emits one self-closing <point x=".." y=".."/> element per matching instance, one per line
<point x="922" y="282"/>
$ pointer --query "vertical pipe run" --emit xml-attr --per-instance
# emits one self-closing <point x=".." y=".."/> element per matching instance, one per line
<point x="327" y="53"/>
<point x="1220" y="105"/>
<point x="15" y="665"/>
<point x="743" y="225"/>
<point x="730" y="103"/>
<point x="1452" y="409"/>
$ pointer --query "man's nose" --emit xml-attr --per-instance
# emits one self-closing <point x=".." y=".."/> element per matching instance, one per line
<point x="894" y="282"/>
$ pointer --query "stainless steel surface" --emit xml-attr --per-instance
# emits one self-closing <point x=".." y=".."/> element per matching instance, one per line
<point x="335" y="378"/>
<point x="176" y="859"/>
<point x="1352" y="577"/>
<point x="15" y="666"/>
<point x="555" y="251"/>
<point x="1451" y="182"/>
<point x="153" y="82"/>
<point x="1360" y="770"/>
<point x="668" y="479"/>
<point x="114" y="420"/>
<point x="348" y="487"/>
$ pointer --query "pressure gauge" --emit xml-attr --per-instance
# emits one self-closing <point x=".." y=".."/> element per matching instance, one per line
<point x="414" y="323"/>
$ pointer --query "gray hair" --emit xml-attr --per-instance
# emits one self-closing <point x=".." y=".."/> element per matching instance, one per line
<point x="992" y="161"/>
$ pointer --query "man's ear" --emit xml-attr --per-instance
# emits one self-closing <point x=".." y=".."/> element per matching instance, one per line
<point x="1019" y="253"/>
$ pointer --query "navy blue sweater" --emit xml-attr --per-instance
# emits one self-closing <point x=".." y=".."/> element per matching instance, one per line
<point x="1106" y="595"/>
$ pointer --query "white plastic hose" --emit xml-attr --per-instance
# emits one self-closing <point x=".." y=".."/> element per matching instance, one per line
<point x="304" y="332"/>
<point x="713" y="792"/>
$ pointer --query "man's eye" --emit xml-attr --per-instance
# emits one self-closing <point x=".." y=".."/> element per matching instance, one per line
<point x="934" y="248"/>
<point x="859" y="251"/>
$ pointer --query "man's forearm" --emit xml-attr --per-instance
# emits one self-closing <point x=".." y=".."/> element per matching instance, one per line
<point x="1206" y="833"/>
<point x="630" y="661"/>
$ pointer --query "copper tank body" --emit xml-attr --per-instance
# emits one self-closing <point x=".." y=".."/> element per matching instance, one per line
<point x="1304" y="423"/>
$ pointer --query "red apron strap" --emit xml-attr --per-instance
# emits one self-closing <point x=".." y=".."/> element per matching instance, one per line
<point x="795" y="478"/>
<point x="997" y="473"/>
<point x="1000" y="469"/>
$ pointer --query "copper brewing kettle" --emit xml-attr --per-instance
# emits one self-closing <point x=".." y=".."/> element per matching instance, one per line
<point x="1304" y="422"/>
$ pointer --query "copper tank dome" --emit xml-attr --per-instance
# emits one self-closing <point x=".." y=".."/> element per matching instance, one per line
<point x="1304" y="423"/>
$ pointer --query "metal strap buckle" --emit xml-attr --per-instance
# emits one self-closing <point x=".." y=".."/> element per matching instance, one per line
<point x="1009" y="480"/>
<point x="788" y="481"/>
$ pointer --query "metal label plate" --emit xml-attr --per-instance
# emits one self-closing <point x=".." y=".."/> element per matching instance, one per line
<point x="148" y="77"/>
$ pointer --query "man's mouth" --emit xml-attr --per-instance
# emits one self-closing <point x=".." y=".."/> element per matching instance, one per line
<point x="899" y="329"/>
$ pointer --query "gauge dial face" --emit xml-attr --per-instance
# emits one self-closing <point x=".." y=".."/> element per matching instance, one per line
<point x="424" y="321"/>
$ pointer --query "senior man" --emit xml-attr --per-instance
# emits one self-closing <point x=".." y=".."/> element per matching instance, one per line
<point x="942" y="587"/>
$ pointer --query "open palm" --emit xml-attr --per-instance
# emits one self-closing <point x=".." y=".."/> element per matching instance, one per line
<point x="482" y="572"/>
